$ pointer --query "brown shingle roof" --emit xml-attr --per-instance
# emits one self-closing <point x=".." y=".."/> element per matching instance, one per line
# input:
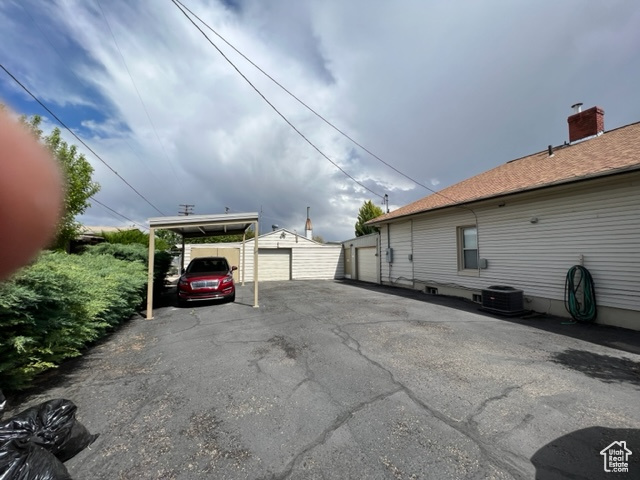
<point x="613" y="151"/>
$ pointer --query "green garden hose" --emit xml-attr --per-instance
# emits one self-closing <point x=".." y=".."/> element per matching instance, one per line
<point x="580" y="294"/>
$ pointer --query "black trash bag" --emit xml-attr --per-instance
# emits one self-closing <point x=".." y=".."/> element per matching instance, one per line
<point x="20" y="460"/>
<point x="3" y="404"/>
<point x="52" y="425"/>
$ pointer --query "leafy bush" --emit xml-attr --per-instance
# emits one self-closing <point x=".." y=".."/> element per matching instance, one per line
<point x="139" y="253"/>
<point x="50" y="310"/>
<point x="135" y="236"/>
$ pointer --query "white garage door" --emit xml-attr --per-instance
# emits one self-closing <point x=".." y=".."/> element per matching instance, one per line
<point x="367" y="263"/>
<point x="274" y="264"/>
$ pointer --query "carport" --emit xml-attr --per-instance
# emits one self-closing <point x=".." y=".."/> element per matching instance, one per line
<point x="195" y="226"/>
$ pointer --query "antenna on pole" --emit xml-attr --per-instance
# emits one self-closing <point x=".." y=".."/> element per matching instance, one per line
<point x="386" y="202"/>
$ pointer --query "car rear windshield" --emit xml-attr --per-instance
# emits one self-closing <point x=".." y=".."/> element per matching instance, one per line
<point x="208" y="266"/>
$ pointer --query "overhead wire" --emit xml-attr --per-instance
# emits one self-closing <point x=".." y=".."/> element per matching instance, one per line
<point x="94" y="199"/>
<point x="178" y="5"/>
<point x="321" y="117"/>
<point x="144" y="106"/>
<point x="456" y="203"/>
<point x="65" y="62"/>
<point x="79" y="139"/>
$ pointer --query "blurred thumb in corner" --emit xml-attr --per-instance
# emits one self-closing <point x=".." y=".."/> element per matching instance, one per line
<point x="31" y="195"/>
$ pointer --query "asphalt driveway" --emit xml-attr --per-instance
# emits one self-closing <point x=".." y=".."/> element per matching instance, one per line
<point x="333" y="380"/>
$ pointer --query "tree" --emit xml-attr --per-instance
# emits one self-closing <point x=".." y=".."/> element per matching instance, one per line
<point x="318" y="238"/>
<point x="171" y="238"/>
<point x="368" y="211"/>
<point x="79" y="186"/>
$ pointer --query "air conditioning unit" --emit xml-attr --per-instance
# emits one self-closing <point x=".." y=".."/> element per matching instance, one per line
<point x="503" y="300"/>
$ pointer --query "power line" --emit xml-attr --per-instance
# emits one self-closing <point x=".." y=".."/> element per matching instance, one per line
<point x="78" y="138"/>
<point x="93" y="199"/>
<point x="80" y="82"/>
<point x="176" y="3"/>
<point x="341" y="132"/>
<point x="312" y="110"/>
<point x="144" y="107"/>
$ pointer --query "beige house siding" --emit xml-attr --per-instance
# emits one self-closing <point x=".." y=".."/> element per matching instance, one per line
<point x="193" y="250"/>
<point x="596" y="220"/>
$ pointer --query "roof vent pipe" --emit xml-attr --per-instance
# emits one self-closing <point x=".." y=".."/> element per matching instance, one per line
<point x="577" y="107"/>
<point x="550" y="151"/>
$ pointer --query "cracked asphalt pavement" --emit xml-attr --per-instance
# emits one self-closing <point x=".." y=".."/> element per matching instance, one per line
<point x="339" y="380"/>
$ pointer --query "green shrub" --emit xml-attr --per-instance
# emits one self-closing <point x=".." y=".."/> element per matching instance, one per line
<point x="135" y="236"/>
<point x="136" y="252"/>
<point x="50" y="310"/>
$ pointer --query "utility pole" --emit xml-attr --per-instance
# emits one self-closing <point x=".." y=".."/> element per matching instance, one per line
<point x="187" y="209"/>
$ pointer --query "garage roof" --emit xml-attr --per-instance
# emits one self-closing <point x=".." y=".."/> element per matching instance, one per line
<point x="194" y="226"/>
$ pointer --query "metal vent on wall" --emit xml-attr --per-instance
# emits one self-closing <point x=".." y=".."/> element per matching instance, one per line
<point x="503" y="300"/>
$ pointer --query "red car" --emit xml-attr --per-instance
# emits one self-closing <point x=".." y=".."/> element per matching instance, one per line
<point x="207" y="278"/>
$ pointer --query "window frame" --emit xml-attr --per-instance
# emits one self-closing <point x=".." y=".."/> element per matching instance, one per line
<point x="462" y="269"/>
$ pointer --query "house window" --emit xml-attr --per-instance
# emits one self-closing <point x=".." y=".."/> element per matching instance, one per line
<point x="468" y="248"/>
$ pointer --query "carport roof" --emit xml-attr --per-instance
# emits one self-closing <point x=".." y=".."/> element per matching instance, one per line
<point x="193" y="226"/>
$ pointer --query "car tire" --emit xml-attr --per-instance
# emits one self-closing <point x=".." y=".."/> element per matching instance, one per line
<point x="232" y="298"/>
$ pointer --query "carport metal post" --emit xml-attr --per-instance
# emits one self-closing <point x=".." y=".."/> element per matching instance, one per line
<point x="255" y="265"/>
<point x="244" y="256"/>
<point x="152" y="250"/>
<point x="182" y="256"/>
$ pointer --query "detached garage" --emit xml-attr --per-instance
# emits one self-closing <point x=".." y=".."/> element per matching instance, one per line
<point x="362" y="258"/>
<point x="282" y="255"/>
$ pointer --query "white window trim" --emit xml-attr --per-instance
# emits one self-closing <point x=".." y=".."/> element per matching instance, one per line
<point x="467" y="272"/>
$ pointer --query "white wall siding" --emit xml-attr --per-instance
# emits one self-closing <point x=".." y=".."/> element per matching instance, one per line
<point x="309" y="259"/>
<point x="400" y="271"/>
<point x="599" y="220"/>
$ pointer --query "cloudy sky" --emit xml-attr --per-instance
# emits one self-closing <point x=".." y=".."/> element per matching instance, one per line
<point x="440" y="90"/>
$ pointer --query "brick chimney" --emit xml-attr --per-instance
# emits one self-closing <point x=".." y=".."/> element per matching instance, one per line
<point x="585" y="124"/>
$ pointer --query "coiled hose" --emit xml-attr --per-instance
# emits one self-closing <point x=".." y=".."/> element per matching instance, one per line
<point x="580" y="294"/>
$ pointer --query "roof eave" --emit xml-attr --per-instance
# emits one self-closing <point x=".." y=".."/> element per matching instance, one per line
<point x="504" y="194"/>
